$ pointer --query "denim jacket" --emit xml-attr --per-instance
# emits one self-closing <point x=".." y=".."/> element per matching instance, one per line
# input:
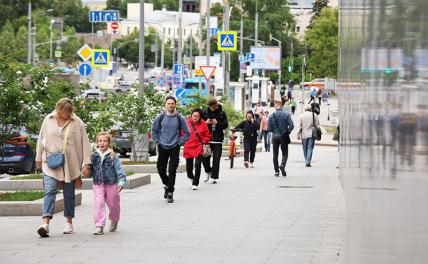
<point x="109" y="171"/>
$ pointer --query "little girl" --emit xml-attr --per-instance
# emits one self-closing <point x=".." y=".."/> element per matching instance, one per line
<point x="109" y="180"/>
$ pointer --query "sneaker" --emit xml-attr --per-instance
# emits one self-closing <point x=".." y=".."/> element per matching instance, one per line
<point x="246" y="164"/>
<point x="283" y="172"/>
<point x="43" y="230"/>
<point x="251" y="165"/>
<point x="170" y="198"/>
<point x="68" y="229"/>
<point x="308" y="165"/>
<point x="194" y="187"/>
<point x="165" y="194"/>
<point x="277" y="174"/>
<point x="99" y="231"/>
<point x="113" y="226"/>
<point x="207" y="176"/>
<point x="214" y="181"/>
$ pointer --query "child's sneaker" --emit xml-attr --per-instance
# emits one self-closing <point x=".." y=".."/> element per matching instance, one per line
<point x="43" y="230"/>
<point x="113" y="226"/>
<point x="99" y="231"/>
<point x="68" y="229"/>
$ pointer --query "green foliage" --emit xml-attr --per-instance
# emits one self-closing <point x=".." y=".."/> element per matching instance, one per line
<point x="322" y="42"/>
<point x="318" y="6"/>
<point x="21" y="196"/>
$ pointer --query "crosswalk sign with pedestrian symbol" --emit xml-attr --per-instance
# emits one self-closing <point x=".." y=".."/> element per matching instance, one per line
<point x="101" y="58"/>
<point x="227" y="40"/>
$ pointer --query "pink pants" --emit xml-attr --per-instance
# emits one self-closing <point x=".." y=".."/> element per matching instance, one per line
<point x="106" y="194"/>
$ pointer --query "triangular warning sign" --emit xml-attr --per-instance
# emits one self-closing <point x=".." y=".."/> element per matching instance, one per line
<point x="100" y="59"/>
<point x="208" y="71"/>
<point x="227" y="42"/>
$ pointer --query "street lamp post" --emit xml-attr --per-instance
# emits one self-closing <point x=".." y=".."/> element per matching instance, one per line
<point x="141" y="49"/>
<point x="29" y="34"/>
<point x="280" y="58"/>
<point x="180" y="32"/>
<point x="50" y="40"/>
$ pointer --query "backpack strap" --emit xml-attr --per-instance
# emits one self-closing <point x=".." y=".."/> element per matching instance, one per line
<point x="162" y="116"/>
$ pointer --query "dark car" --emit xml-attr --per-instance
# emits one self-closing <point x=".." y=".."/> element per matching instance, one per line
<point x="16" y="156"/>
<point x="122" y="143"/>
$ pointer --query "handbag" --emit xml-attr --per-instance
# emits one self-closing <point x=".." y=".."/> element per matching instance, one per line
<point x="57" y="159"/>
<point x="316" y="131"/>
<point x="285" y="135"/>
<point x="206" y="149"/>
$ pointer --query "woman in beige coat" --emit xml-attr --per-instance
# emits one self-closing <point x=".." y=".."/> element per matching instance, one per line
<point x="307" y="121"/>
<point x="60" y="125"/>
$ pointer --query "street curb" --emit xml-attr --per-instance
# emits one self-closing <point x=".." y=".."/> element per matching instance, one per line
<point x="33" y="208"/>
<point x="132" y="182"/>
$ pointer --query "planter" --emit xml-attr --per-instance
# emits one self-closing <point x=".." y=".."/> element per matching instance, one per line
<point x="33" y="208"/>
<point x="132" y="182"/>
<point x="150" y="168"/>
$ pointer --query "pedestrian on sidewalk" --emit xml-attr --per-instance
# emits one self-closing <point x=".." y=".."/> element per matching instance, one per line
<point x="63" y="149"/>
<point x="264" y="131"/>
<point x="169" y="132"/>
<point x="307" y="121"/>
<point x="293" y="104"/>
<point x="109" y="179"/>
<point x="216" y="120"/>
<point x="258" y="111"/>
<point x="194" y="148"/>
<point x="249" y="127"/>
<point x="281" y="125"/>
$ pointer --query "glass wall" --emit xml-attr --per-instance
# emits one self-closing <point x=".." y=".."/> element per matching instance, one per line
<point x="383" y="98"/>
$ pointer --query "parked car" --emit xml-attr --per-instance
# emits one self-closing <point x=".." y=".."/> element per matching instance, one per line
<point x="122" y="142"/>
<point x="124" y="87"/>
<point x="16" y="156"/>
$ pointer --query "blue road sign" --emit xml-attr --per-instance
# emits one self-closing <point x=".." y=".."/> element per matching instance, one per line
<point x="103" y="16"/>
<point x="251" y="56"/>
<point x="214" y="31"/>
<point x="85" y="70"/>
<point x="180" y="93"/>
<point x="227" y="41"/>
<point x="100" y="58"/>
<point x="178" y="69"/>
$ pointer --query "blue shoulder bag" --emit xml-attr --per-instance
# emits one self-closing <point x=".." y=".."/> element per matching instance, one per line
<point x="56" y="159"/>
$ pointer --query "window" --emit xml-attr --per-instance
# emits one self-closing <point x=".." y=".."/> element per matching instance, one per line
<point x="297" y="29"/>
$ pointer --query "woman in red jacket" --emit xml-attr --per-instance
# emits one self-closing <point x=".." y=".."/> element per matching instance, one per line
<point x="199" y="135"/>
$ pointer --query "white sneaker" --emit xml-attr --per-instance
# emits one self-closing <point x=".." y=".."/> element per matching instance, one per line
<point x="43" y="230"/>
<point x="68" y="229"/>
<point x="194" y="187"/>
<point x="207" y="176"/>
<point x="113" y="226"/>
<point x="99" y="231"/>
<point x="251" y="165"/>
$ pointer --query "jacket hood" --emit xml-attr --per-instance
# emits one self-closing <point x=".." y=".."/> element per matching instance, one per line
<point x="218" y="110"/>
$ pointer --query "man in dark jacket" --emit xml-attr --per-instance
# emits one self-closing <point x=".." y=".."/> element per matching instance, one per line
<point x="249" y="127"/>
<point x="216" y="120"/>
<point x="281" y="125"/>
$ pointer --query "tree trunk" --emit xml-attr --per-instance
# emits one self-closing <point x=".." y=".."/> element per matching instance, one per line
<point x="140" y="150"/>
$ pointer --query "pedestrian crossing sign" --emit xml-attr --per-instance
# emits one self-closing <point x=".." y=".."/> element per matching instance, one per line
<point x="227" y="40"/>
<point x="101" y="58"/>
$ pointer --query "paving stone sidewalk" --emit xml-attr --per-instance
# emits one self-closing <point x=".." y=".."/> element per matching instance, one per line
<point x="250" y="216"/>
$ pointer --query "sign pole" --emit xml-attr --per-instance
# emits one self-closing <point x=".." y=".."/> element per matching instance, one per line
<point x="141" y="49"/>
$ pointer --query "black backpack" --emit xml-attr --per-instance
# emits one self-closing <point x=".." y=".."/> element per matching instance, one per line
<point x="162" y="116"/>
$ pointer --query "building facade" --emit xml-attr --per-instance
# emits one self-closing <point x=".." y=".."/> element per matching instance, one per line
<point x="383" y="107"/>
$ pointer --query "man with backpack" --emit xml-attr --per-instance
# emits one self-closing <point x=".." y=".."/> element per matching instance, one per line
<point x="280" y="125"/>
<point x="167" y="133"/>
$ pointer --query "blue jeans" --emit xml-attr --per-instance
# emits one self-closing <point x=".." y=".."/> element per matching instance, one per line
<point x="49" y="198"/>
<point x="308" y="148"/>
<point x="266" y="139"/>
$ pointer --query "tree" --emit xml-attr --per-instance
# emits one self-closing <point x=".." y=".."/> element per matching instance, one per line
<point x="322" y="43"/>
<point x="318" y="6"/>
<point x="113" y="4"/>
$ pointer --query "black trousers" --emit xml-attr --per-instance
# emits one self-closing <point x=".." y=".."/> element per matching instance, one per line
<point x="276" y="143"/>
<point x="250" y="149"/>
<point x="216" y="156"/>
<point x="189" y="168"/>
<point x="165" y="155"/>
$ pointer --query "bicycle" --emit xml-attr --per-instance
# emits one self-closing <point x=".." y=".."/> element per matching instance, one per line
<point x="232" y="146"/>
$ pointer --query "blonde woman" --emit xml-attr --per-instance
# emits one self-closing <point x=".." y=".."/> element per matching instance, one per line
<point x="62" y="132"/>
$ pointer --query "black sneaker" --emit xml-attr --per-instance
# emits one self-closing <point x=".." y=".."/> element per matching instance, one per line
<point x="308" y="165"/>
<point x="277" y="174"/>
<point x="165" y="194"/>
<point x="283" y="172"/>
<point x="170" y="198"/>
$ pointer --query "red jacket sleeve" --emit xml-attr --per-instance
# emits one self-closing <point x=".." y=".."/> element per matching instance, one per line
<point x="205" y="132"/>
